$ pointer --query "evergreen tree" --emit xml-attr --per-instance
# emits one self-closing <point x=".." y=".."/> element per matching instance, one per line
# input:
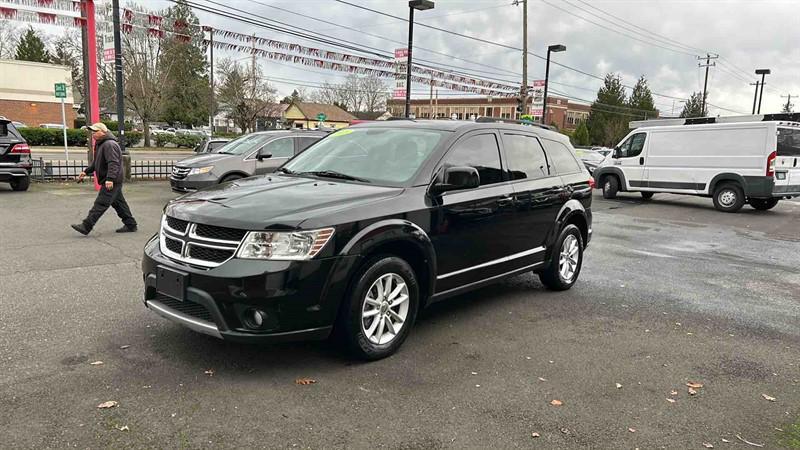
<point x="608" y="118"/>
<point x="641" y="100"/>
<point x="295" y="97"/>
<point x="31" y="48"/>
<point x="694" y="106"/>
<point x="187" y="90"/>
<point x="581" y="135"/>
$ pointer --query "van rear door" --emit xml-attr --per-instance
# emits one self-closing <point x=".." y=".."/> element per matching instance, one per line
<point x="787" y="161"/>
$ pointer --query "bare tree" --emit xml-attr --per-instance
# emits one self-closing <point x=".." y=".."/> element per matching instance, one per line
<point x="357" y="94"/>
<point x="9" y="36"/>
<point x="244" y="94"/>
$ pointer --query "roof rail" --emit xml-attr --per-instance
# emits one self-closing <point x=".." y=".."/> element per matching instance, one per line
<point x="401" y="118"/>
<point x="486" y="119"/>
<point x="786" y="117"/>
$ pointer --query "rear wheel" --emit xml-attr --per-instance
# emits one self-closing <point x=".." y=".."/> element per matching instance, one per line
<point x="20" y="183"/>
<point x="566" y="260"/>
<point x="729" y="197"/>
<point x="381" y="308"/>
<point x="610" y="187"/>
<point x="647" y="195"/>
<point x="763" y="204"/>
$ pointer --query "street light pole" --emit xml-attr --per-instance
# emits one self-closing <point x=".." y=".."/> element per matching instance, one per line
<point x="420" y="5"/>
<point x="763" y="73"/>
<point x="554" y="49"/>
<point x="755" y="95"/>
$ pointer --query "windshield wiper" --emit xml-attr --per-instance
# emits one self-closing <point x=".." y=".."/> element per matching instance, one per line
<point x="286" y="171"/>
<point x="333" y="174"/>
<point x="225" y="153"/>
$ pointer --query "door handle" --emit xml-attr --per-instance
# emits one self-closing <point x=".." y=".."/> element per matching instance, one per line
<point x="641" y="160"/>
<point x="505" y="200"/>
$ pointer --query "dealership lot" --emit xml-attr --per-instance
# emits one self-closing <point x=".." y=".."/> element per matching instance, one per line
<point x="672" y="292"/>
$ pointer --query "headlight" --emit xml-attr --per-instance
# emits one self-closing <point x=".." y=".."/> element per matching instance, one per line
<point x="199" y="170"/>
<point x="294" y="245"/>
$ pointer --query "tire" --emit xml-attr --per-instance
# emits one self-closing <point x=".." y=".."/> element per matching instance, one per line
<point x="21" y="184"/>
<point x="729" y="197"/>
<point x="610" y="187"/>
<point x="763" y="204"/>
<point x="569" y="242"/>
<point x="364" y="336"/>
<point x="231" y="177"/>
<point x="647" y="195"/>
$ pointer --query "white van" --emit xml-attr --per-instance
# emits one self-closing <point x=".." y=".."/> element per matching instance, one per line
<point x="734" y="160"/>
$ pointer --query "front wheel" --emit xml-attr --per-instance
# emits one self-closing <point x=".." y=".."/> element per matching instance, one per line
<point x="763" y="204"/>
<point x="381" y="308"/>
<point x="610" y="187"/>
<point x="566" y="260"/>
<point x="231" y="178"/>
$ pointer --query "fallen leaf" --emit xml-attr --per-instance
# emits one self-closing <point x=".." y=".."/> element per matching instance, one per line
<point x="748" y="442"/>
<point x="619" y="386"/>
<point x="542" y="379"/>
<point x="96" y="363"/>
<point x="779" y="429"/>
<point x="707" y="445"/>
<point x="124" y="428"/>
<point x="477" y="385"/>
<point x="304" y="381"/>
<point x="565" y="430"/>
<point x="556" y="402"/>
<point x="671" y="400"/>
<point x="209" y="372"/>
<point x="124" y="347"/>
<point x="474" y="373"/>
<point x="726" y="441"/>
<point x="767" y="397"/>
<point x="694" y="385"/>
<point x="551" y="362"/>
<point x="534" y="435"/>
<point x="632" y="430"/>
<point x="692" y="391"/>
<point x="673" y="393"/>
<point x="108" y="404"/>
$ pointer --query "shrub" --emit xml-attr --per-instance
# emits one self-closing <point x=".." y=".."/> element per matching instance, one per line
<point x="162" y="139"/>
<point x="75" y="137"/>
<point x="227" y="135"/>
<point x="112" y="125"/>
<point x="185" y="140"/>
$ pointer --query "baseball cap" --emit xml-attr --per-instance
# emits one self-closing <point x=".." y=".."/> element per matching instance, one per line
<point x="99" y="126"/>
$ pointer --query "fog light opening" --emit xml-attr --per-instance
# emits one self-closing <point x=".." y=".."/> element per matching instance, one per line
<point x="254" y="318"/>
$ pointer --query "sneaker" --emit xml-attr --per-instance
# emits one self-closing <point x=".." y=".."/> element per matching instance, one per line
<point x="80" y="228"/>
<point x="127" y="229"/>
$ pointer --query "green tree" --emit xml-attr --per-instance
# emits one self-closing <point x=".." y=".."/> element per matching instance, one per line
<point x="187" y="89"/>
<point x="609" y="114"/>
<point x="31" y="48"/>
<point x="694" y="106"/>
<point x="295" y="97"/>
<point x="641" y="100"/>
<point x="581" y="135"/>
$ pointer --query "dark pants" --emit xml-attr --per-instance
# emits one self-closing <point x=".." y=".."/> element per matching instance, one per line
<point x="114" y="199"/>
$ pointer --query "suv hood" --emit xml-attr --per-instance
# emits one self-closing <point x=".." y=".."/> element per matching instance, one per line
<point x="274" y="201"/>
<point x="205" y="159"/>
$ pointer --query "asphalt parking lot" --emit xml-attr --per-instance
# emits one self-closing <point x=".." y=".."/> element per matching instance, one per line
<point x="672" y="292"/>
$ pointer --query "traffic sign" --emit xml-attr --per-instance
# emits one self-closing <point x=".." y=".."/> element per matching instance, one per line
<point x="321" y="117"/>
<point x="61" y="90"/>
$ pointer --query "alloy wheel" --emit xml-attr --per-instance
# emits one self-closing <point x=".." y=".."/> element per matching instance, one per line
<point x="385" y="309"/>
<point x="568" y="259"/>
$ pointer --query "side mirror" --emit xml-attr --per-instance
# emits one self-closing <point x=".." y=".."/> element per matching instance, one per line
<point x="457" y="178"/>
<point x="263" y="154"/>
<point x="615" y="153"/>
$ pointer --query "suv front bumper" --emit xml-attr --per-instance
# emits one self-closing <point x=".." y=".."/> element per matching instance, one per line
<point x="299" y="299"/>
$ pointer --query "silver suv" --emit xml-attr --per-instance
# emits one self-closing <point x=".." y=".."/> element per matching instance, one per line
<point x="252" y="154"/>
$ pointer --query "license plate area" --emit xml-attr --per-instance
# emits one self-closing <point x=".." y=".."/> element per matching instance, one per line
<point x="171" y="283"/>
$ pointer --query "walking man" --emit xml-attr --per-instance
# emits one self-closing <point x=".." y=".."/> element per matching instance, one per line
<point x="108" y="166"/>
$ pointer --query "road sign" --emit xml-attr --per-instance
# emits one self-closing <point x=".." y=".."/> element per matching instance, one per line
<point x="321" y="117"/>
<point x="61" y="90"/>
<point x="399" y="93"/>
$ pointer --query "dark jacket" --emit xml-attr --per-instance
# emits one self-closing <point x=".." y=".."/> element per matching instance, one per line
<point x="107" y="160"/>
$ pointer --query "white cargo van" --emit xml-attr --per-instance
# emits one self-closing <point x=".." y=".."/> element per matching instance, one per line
<point x="733" y="160"/>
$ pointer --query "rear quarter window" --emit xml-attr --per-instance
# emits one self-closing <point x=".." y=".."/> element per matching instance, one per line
<point x="561" y="158"/>
<point x="788" y="142"/>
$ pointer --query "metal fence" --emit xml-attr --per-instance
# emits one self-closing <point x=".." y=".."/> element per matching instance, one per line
<point x="44" y="171"/>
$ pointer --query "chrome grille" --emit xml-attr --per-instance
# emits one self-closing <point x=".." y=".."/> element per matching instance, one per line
<point x="199" y="245"/>
<point x="180" y="173"/>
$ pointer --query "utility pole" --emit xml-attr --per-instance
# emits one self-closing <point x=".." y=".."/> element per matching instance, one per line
<point x="763" y="73"/>
<point x="708" y="64"/>
<point x="430" y="116"/>
<point x="789" y="104"/>
<point x="118" y="76"/>
<point x="436" y="105"/>
<point x="524" y="88"/>
<point x="253" y="78"/>
<point x="755" y="95"/>
<point x="211" y="77"/>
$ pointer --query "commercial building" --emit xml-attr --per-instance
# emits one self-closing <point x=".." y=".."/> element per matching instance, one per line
<point x="560" y="111"/>
<point x="27" y="92"/>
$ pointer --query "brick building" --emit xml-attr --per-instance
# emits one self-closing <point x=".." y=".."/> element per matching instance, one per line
<point x="562" y="112"/>
<point x="27" y="92"/>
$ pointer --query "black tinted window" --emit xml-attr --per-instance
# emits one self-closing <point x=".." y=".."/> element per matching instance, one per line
<point x="306" y="142"/>
<point x="480" y="152"/>
<point x="562" y="159"/>
<point x="524" y="157"/>
<point x="788" y="141"/>
<point x="3" y="129"/>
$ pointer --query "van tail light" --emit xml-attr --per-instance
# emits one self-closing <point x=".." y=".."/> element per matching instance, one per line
<point x="771" y="164"/>
<point x="592" y="183"/>
<point x="20" y="149"/>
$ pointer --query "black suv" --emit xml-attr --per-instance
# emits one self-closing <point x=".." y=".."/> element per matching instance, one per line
<point x="15" y="157"/>
<point x="366" y="227"/>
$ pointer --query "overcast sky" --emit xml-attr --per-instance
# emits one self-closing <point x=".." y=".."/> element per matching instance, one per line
<point x="746" y="34"/>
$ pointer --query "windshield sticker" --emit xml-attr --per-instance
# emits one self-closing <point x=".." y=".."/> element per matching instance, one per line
<point x="342" y="132"/>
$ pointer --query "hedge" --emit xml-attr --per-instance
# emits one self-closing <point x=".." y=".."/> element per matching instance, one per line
<point x="112" y="125"/>
<point x="185" y="140"/>
<point x="75" y="137"/>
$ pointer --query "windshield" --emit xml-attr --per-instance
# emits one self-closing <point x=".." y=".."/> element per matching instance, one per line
<point x="377" y="155"/>
<point x="244" y="144"/>
<point x="788" y="141"/>
<point x="589" y="155"/>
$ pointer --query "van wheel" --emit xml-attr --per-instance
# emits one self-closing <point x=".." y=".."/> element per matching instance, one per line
<point x="381" y="308"/>
<point x="566" y="260"/>
<point x="729" y="197"/>
<point x="647" y="195"/>
<point x="20" y="184"/>
<point x="763" y="204"/>
<point x="610" y="187"/>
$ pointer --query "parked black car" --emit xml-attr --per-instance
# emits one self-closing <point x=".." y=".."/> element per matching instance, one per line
<point x="366" y="227"/>
<point x="15" y="157"/>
